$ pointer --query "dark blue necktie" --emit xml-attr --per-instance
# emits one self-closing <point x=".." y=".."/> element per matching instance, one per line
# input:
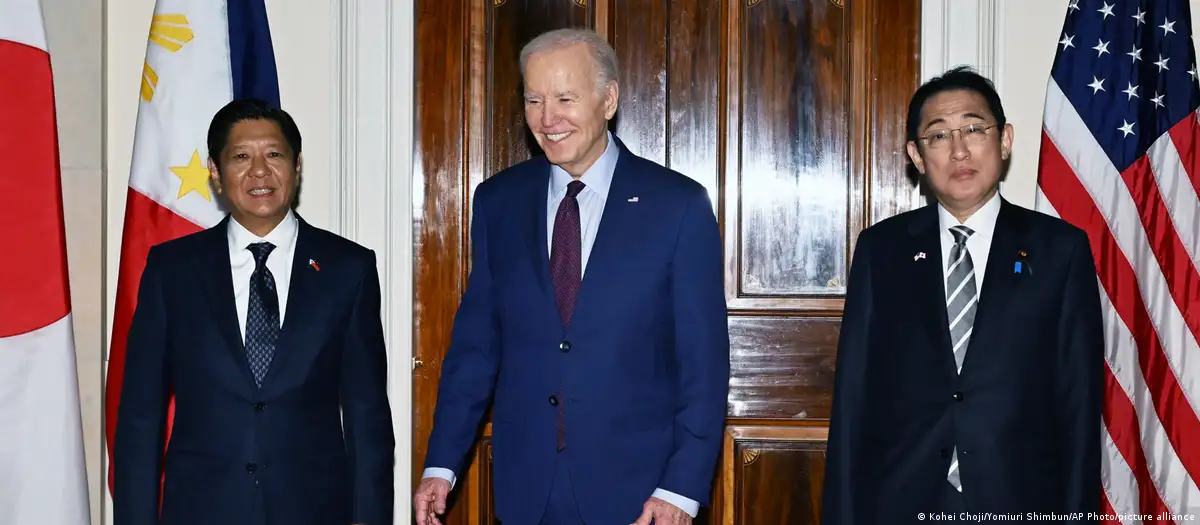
<point x="566" y="264"/>
<point x="262" y="316"/>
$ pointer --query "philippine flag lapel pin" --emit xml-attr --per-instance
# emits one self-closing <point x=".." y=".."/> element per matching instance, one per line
<point x="314" y="265"/>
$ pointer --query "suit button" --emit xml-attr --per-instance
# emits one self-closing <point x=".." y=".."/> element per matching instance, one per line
<point x="945" y="453"/>
<point x="958" y="396"/>
<point x="260" y="407"/>
<point x="251" y="467"/>
<point x="564" y="346"/>
<point x="553" y="400"/>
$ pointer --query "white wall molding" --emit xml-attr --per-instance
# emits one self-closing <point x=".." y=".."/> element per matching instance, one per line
<point x="371" y="180"/>
<point x="962" y="32"/>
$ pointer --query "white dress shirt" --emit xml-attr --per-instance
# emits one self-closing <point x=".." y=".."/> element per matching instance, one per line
<point x="983" y="223"/>
<point x="597" y="180"/>
<point x="241" y="261"/>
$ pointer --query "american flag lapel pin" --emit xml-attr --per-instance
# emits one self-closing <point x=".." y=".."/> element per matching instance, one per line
<point x="633" y="199"/>
<point x="314" y="265"/>
<point x="918" y="256"/>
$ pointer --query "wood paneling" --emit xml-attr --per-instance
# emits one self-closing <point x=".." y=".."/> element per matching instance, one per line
<point x="791" y="113"/>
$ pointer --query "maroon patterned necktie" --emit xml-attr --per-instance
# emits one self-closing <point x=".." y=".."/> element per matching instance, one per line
<point x="566" y="265"/>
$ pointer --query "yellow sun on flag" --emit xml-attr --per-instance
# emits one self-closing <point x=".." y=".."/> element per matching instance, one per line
<point x="193" y="177"/>
<point x="170" y="32"/>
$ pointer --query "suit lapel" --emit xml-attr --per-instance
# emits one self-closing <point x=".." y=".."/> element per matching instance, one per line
<point x="218" y="287"/>
<point x="615" y="223"/>
<point x="536" y="232"/>
<point x="999" y="283"/>
<point x="302" y="305"/>
<point x="930" y="282"/>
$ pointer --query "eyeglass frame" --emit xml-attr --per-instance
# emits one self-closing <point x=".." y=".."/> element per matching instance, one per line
<point x="962" y="133"/>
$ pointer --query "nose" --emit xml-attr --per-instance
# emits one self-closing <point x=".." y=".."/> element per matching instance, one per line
<point x="550" y="115"/>
<point x="258" y="166"/>
<point x="958" y="147"/>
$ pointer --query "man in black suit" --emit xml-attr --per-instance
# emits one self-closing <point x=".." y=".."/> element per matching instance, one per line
<point x="268" y="332"/>
<point x="970" y="364"/>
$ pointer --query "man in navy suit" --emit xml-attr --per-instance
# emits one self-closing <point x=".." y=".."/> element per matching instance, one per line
<point x="594" y="314"/>
<point x="970" y="364"/>
<point x="268" y="332"/>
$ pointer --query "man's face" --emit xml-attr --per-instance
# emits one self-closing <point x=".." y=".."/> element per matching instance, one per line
<point x="565" y="110"/>
<point x="960" y="150"/>
<point x="256" y="174"/>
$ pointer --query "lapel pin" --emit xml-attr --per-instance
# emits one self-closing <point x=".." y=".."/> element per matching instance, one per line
<point x="633" y="199"/>
<point x="919" y="256"/>
<point x="1017" y="266"/>
<point x="314" y="265"/>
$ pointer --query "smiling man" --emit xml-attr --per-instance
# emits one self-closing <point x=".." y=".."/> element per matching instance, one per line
<point x="277" y="363"/>
<point x="594" y="316"/>
<point x="970" y="364"/>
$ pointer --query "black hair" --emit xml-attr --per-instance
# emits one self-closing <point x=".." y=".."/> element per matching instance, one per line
<point x="961" y="78"/>
<point x="243" y="109"/>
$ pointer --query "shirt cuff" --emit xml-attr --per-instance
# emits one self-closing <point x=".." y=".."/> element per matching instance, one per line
<point x="444" y="473"/>
<point x="684" y="504"/>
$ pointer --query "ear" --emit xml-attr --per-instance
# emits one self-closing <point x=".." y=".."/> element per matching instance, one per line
<point x="1006" y="140"/>
<point x="299" y="164"/>
<point x="914" y="153"/>
<point x="214" y="175"/>
<point x="612" y="95"/>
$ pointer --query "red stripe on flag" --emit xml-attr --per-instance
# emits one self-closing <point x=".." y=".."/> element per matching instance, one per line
<point x="1173" y="258"/>
<point x="1184" y="135"/>
<point x="33" y="269"/>
<point x="147" y="223"/>
<point x="1064" y="190"/>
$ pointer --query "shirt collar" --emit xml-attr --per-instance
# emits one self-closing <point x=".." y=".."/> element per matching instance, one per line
<point x="282" y="236"/>
<point x="597" y="178"/>
<point x="982" y="222"/>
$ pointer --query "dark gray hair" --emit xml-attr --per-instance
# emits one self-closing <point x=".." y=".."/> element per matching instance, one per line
<point x="602" y="53"/>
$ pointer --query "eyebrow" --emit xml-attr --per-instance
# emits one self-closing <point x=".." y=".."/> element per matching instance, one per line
<point x="940" y="120"/>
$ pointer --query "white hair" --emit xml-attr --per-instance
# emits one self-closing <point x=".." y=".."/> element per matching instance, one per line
<point x="603" y="55"/>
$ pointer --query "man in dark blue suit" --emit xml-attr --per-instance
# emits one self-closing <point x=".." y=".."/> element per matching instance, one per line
<point x="268" y="332"/>
<point x="594" y="318"/>
<point x="970" y="364"/>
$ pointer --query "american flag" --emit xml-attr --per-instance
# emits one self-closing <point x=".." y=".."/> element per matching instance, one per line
<point x="1119" y="159"/>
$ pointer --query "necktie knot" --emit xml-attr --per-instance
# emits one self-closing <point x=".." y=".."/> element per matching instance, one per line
<point x="574" y="188"/>
<point x="260" y="250"/>
<point x="961" y="233"/>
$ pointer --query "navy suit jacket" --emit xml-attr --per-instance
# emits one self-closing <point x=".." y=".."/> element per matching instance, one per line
<point x="644" y="363"/>
<point x="1025" y="413"/>
<point x="241" y="455"/>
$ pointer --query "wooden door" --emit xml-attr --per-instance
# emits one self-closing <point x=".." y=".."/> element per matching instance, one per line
<point x="791" y="113"/>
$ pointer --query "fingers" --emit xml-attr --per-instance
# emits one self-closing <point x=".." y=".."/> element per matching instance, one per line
<point x="647" y="515"/>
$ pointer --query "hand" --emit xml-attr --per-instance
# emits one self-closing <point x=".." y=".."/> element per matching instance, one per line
<point x="662" y="513"/>
<point x="430" y="500"/>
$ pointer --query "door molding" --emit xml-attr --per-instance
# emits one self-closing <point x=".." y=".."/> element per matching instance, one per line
<point x="371" y="167"/>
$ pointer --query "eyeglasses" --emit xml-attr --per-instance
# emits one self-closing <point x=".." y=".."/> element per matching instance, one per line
<point x="971" y="133"/>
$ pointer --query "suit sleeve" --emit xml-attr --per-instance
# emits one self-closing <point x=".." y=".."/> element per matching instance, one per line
<point x="141" y="415"/>
<point x="845" y="425"/>
<point x="701" y="352"/>
<point x="1081" y="387"/>
<point x="472" y="361"/>
<point x="366" y="412"/>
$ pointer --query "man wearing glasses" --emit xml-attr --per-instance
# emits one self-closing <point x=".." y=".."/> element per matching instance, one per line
<point x="971" y="356"/>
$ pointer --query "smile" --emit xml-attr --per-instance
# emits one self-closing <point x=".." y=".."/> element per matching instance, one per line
<point x="555" y="137"/>
<point x="261" y="191"/>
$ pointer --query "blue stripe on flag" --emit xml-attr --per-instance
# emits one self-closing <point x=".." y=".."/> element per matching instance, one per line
<point x="251" y="55"/>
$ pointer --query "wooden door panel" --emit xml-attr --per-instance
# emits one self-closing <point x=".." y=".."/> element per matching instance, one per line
<point x="781" y="367"/>
<point x="773" y="475"/>
<point x="792" y="173"/>
<point x="669" y="54"/>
